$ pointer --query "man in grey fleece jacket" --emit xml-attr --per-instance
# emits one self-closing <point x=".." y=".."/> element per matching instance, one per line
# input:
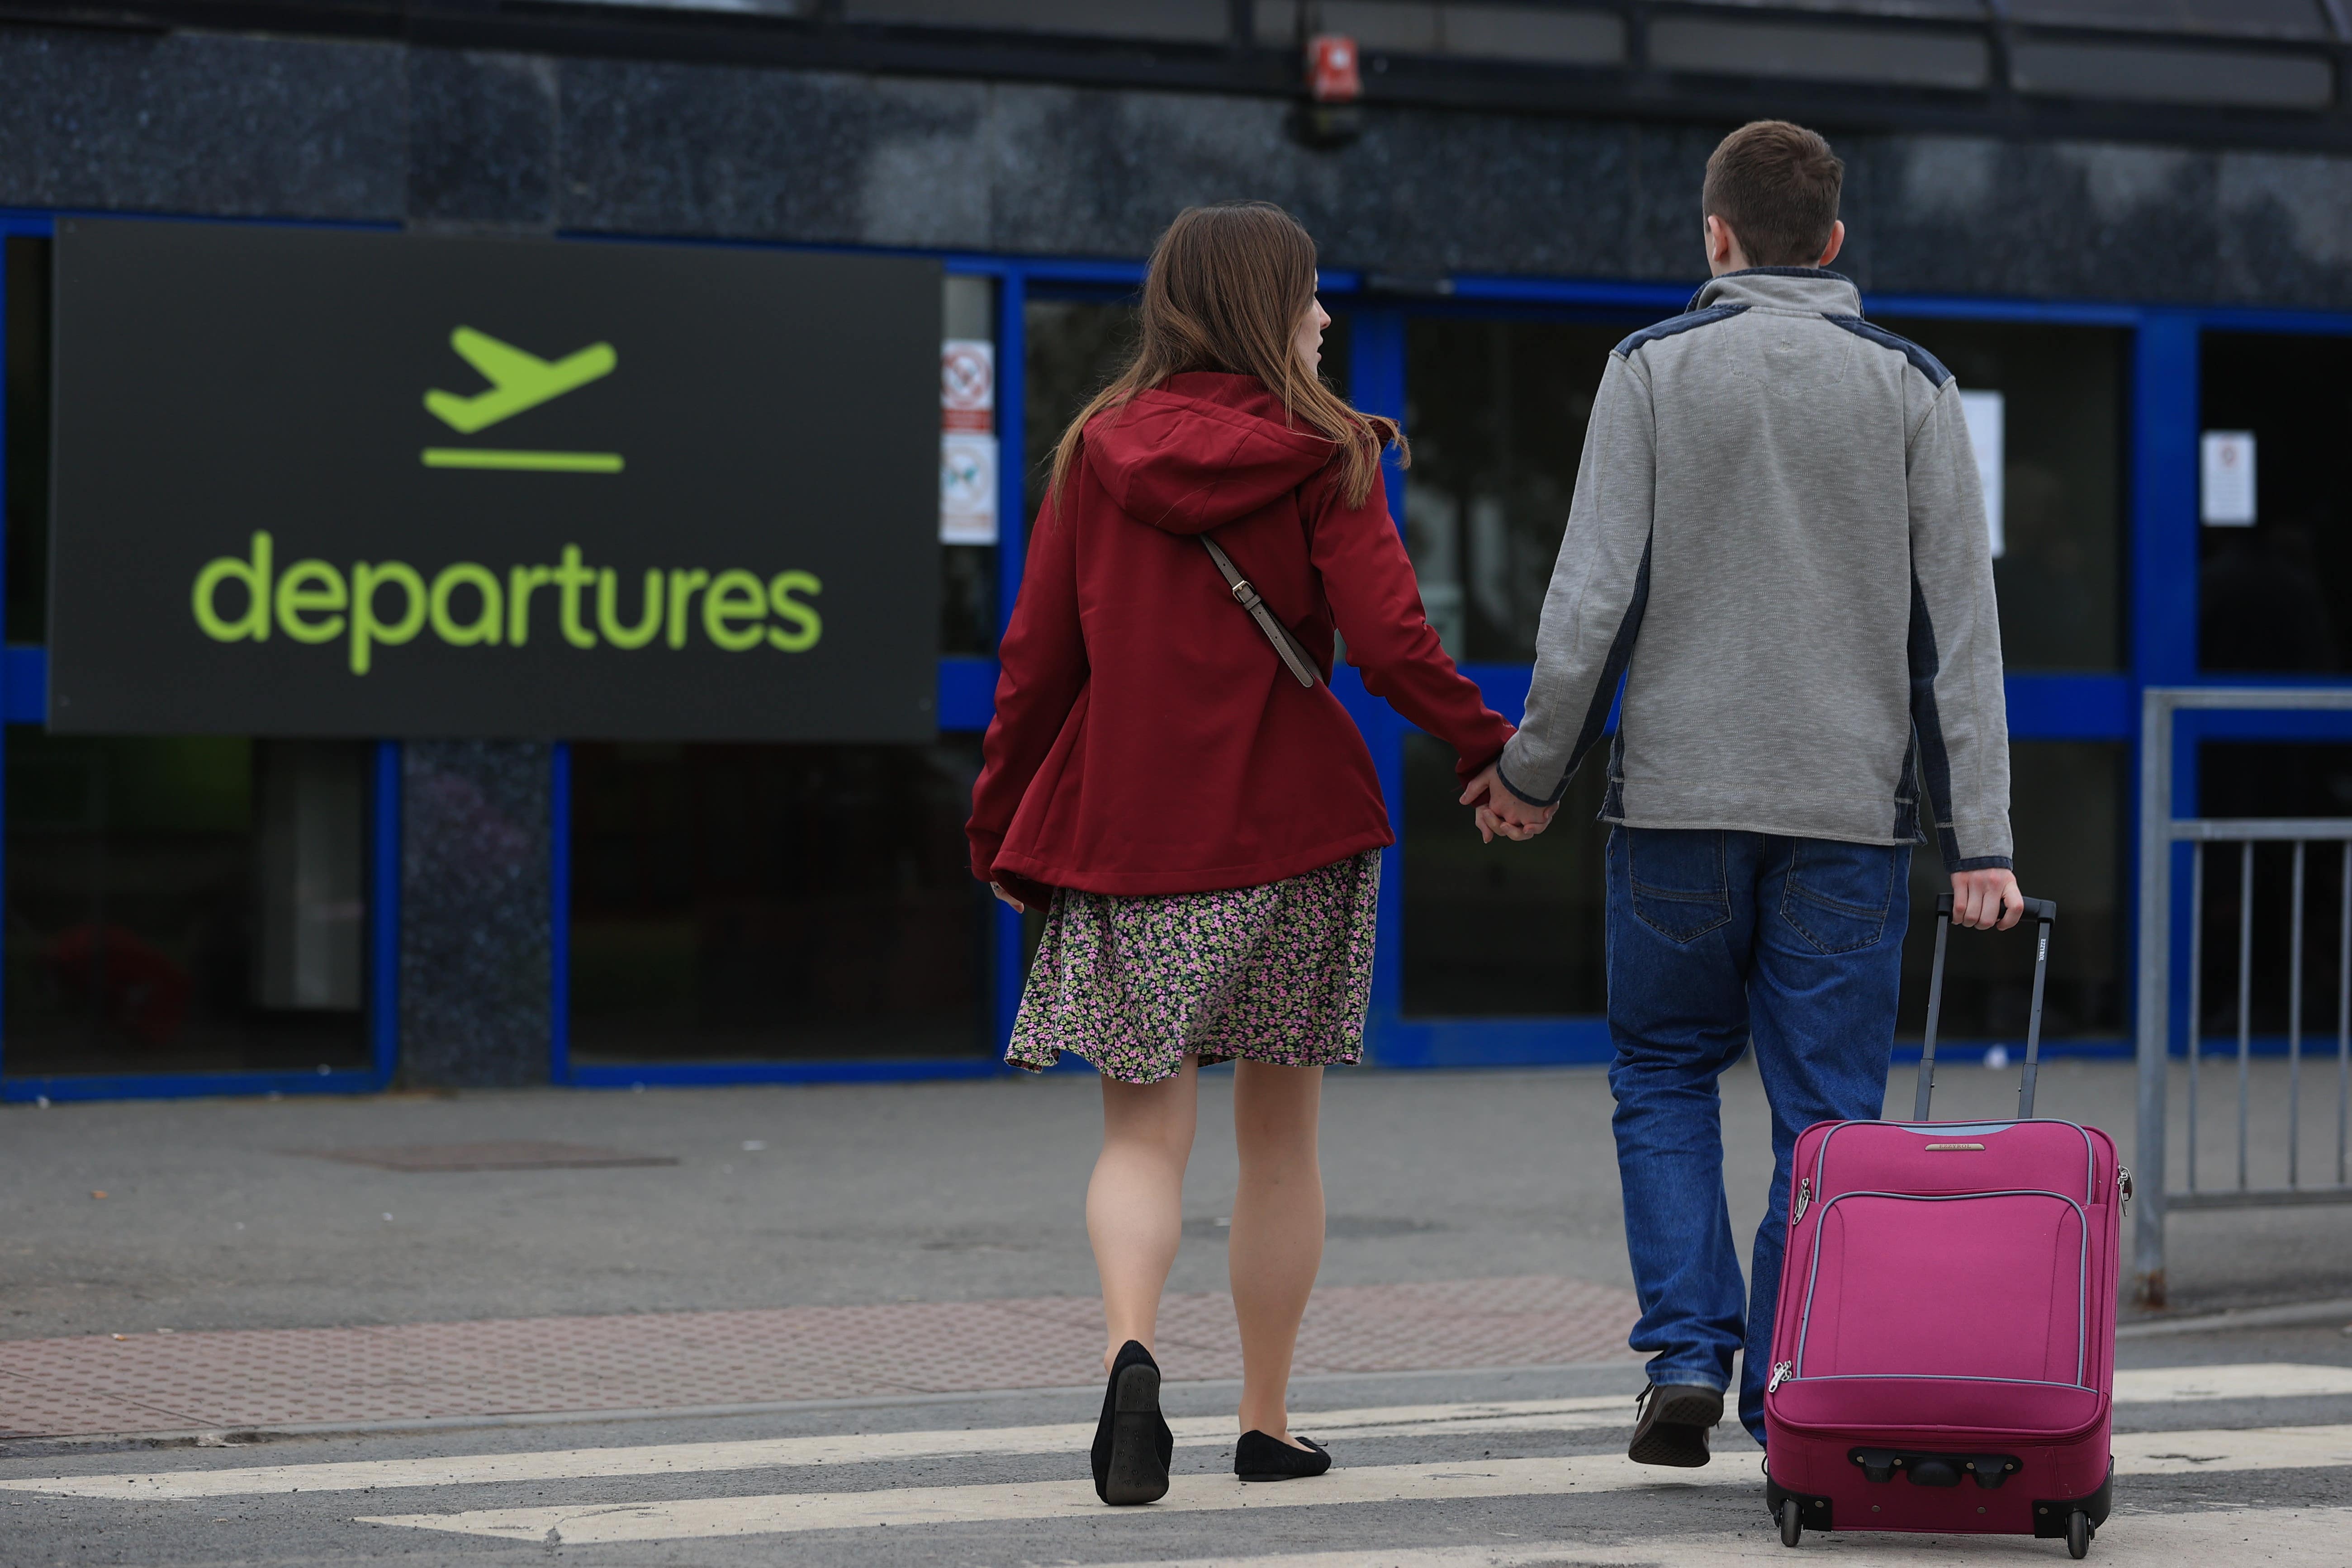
<point x="1778" y="540"/>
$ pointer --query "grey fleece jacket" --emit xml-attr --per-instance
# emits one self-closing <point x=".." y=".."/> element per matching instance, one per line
<point x="1779" y="540"/>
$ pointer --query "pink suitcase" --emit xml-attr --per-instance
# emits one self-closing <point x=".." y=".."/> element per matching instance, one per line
<point x="1943" y="1357"/>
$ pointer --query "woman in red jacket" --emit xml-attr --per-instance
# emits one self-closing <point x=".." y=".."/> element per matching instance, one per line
<point x="1203" y="826"/>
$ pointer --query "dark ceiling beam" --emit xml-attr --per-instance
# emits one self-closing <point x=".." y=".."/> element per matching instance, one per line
<point x="823" y="42"/>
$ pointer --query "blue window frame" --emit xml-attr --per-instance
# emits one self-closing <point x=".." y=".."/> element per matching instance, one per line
<point x="2170" y="385"/>
<point x="24" y="698"/>
<point x="2160" y="601"/>
<point x="2160" y="592"/>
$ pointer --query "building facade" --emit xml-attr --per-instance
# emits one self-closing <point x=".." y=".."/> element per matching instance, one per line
<point x="2128" y="228"/>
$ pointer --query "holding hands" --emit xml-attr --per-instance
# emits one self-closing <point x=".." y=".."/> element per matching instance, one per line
<point x="1986" y="899"/>
<point x="1498" y="811"/>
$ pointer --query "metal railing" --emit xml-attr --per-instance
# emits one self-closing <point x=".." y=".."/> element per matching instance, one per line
<point x="2159" y="831"/>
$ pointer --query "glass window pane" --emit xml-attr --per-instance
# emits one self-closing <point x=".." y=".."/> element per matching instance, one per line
<point x="774" y="901"/>
<point x="1499" y="928"/>
<point x="968" y="572"/>
<point x="968" y="598"/>
<point x="1077" y="346"/>
<point x="1074" y="348"/>
<point x="2060" y="571"/>
<point x="184" y="903"/>
<point x="1497" y="416"/>
<point x="1496" y="410"/>
<point x="26" y="452"/>
<point x="1338" y="368"/>
<point x="2277" y="596"/>
<point x="2067" y="808"/>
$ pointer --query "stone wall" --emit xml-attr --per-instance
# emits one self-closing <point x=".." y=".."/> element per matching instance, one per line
<point x="475" y="987"/>
<point x="227" y="125"/>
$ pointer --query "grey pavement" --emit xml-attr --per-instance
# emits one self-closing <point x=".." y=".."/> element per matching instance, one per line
<point x="213" y="1216"/>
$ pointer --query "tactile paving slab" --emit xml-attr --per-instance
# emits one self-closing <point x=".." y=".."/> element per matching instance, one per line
<point x="248" y="1378"/>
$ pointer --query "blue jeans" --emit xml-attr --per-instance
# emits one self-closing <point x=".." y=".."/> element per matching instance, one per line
<point x="1716" y="939"/>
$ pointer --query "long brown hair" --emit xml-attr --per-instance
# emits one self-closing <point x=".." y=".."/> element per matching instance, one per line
<point x="1226" y="289"/>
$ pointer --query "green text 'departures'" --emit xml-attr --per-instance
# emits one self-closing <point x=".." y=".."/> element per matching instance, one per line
<point x="371" y="605"/>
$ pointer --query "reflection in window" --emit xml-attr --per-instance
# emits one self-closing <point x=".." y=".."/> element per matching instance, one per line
<point x="187" y="903"/>
<point x="2067" y="808"/>
<point x="968" y="598"/>
<point x="1498" y="415"/>
<point x="26" y="455"/>
<point x="968" y="572"/>
<point x="2060" y="574"/>
<point x="2277" y="596"/>
<point x="774" y="901"/>
<point x="1496" y="412"/>
<point x="1499" y="928"/>
<point x="1075" y="347"/>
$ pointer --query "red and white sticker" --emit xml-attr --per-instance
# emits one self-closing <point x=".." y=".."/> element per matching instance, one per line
<point x="967" y="384"/>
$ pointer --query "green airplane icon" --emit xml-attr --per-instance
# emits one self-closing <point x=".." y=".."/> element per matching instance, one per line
<point x="519" y="380"/>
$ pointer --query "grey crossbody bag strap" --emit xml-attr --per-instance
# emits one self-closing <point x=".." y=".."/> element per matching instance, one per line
<point x="1268" y="622"/>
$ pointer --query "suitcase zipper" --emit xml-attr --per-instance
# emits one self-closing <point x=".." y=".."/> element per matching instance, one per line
<point x="1805" y="1314"/>
<point x="1805" y="1195"/>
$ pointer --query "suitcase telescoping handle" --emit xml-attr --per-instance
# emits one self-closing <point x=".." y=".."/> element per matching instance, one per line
<point x="2044" y="913"/>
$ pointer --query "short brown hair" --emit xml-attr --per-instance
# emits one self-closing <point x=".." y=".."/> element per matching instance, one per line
<point x="1776" y="185"/>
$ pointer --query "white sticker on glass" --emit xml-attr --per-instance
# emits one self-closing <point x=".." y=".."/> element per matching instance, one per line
<point x="967" y="489"/>
<point x="1987" y="416"/>
<point x="2226" y="472"/>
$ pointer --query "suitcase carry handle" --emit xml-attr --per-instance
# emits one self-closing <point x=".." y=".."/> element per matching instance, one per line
<point x="2044" y="911"/>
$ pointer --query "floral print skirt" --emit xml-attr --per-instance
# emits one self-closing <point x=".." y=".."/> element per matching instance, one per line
<point x="1279" y="973"/>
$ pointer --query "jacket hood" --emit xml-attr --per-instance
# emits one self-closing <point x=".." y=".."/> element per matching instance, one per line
<point x="1200" y="450"/>
<point x="1812" y="289"/>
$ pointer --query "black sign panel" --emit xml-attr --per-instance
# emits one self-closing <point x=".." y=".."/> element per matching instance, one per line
<point x="320" y="483"/>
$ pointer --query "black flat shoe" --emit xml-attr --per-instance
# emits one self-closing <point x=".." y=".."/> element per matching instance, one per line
<point x="1258" y="1458"/>
<point x="1132" y="1444"/>
<point x="1676" y="1420"/>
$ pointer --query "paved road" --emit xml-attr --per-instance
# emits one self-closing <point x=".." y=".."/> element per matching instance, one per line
<point x="216" y="1217"/>
<point x="224" y="1216"/>
<point x="2230" y="1449"/>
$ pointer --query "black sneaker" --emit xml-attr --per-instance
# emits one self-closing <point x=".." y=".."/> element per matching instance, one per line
<point x="1675" y="1421"/>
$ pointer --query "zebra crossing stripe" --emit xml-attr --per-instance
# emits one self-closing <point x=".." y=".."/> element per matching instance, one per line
<point x="2137" y="1454"/>
<point x="773" y="1453"/>
<point x="2275" y="1537"/>
<point x="703" y="1519"/>
<point x="1603" y="1412"/>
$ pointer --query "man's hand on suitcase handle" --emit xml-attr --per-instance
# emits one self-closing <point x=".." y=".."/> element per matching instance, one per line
<point x="1986" y="900"/>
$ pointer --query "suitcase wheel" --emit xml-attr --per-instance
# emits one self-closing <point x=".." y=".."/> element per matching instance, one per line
<point x="1793" y="1529"/>
<point x="2078" y="1534"/>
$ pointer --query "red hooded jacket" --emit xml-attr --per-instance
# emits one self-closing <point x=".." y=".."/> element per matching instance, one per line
<point x="1147" y="737"/>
